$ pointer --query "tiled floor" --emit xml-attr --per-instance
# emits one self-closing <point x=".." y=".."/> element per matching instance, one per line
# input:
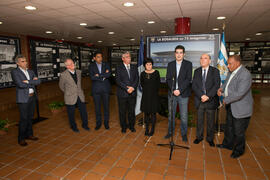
<point x="111" y="155"/>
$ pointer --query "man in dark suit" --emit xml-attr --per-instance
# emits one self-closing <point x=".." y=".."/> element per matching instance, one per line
<point x="70" y="84"/>
<point x="205" y="84"/>
<point x="127" y="81"/>
<point x="26" y="95"/>
<point x="99" y="73"/>
<point x="239" y="106"/>
<point x="178" y="77"/>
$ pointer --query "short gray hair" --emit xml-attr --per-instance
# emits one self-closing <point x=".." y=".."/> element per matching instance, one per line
<point x="127" y="52"/>
<point x="67" y="60"/>
<point x="19" y="56"/>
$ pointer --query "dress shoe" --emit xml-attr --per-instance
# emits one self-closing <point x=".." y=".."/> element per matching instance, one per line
<point x="151" y="133"/>
<point x="23" y="143"/>
<point x="33" y="138"/>
<point x="236" y="155"/>
<point x="184" y="138"/>
<point x="224" y="146"/>
<point x="107" y="127"/>
<point x="123" y="130"/>
<point x="97" y="127"/>
<point x="75" y="130"/>
<point x="86" y="128"/>
<point x="167" y="136"/>
<point x="133" y="130"/>
<point x="211" y="143"/>
<point x="146" y="133"/>
<point x="197" y="141"/>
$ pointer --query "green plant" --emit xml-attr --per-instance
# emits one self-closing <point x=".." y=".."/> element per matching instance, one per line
<point x="3" y="124"/>
<point x="256" y="91"/>
<point x="56" y="105"/>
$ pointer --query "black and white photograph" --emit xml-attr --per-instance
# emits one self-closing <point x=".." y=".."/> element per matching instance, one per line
<point x="44" y="54"/>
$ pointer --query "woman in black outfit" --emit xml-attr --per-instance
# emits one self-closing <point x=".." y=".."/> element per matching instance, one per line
<point x="150" y="81"/>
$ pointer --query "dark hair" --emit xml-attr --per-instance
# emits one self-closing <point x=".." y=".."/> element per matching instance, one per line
<point x="96" y="53"/>
<point x="148" y="60"/>
<point x="236" y="57"/>
<point x="179" y="47"/>
<point x="19" y="56"/>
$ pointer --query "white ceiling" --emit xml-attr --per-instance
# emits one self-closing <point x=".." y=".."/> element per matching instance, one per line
<point x="244" y="18"/>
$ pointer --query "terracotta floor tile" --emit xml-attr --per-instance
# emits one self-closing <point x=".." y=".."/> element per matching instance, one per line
<point x="111" y="178"/>
<point x="118" y="172"/>
<point x="135" y="175"/>
<point x="157" y="169"/>
<point x="194" y="174"/>
<point x="216" y="167"/>
<point x="20" y="162"/>
<point x="235" y="177"/>
<point x="101" y="168"/>
<point x="51" y="178"/>
<point x="86" y="165"/>
<point x="18" y="174"/>
<point x="4" y="171"/>
<point x="71" y="162"/>
<point x="252" y="163"/>
<point x="124" y="162"/>
<point x="34" y="176"/>
<point x="60" y="171"/>
<point x="31" y="165"/>
<point x="153" y="176"/>
<point x="175" y="171"/>
<point x="75" y="174"/>
<point x="82" y="155"/>
<point x="233" y="169"/>
<point x="195" y="164"/>
<point x="108" y="161"/>
<point x="178" y="162"/>
<point x="161" y="160"/>
<point x="46" y="168"/>
<point x="93" y="176"/>
<point x="170" y="177"/>
<point x="95" y="157"/>
<point x="58" y="159"/>
<point x="8" y="158"/>
<point x="214" y="176"/>
<point x="254" y="172"/>
<point x="140" y="165"/>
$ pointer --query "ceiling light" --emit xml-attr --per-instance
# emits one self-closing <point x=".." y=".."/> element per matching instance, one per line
<point x="151" y="22"/>
<point x="83" y="24"/>
<point x="111" y="32"/>
<point x="248" y="39"/>
<point x="163" y="32"/>
<point x="215" y="29"/>
<point x="99" y="41"/>
<point x="128" y="4"/>
<point x="1" y="22"/>
<point x="30" y="8"/>
<point x="132" y="39"/>
<point x="258" y="34"/>
<point x="221" y="17"/>
<point x="114" y="44"/>
<point x="62" y="39"/>
<point x="48" y="32"/>
<point x="79" y="37"/>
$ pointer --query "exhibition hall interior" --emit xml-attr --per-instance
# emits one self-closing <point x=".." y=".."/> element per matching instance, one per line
<point x="47" y="34"/>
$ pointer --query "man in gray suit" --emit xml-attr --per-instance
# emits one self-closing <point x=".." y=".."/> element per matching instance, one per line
<point x="26" y="95"/>
<point x="239" y="105"/>
<point x="70" y="84"/>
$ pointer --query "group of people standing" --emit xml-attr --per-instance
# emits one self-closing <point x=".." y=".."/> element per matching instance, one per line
<point x="205" y="83"/>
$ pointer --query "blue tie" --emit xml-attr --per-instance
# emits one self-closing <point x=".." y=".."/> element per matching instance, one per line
<point x="203" y="80"/>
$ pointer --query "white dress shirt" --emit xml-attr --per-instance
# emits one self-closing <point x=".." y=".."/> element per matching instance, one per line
<point x="229" y="80"/>
<point x="31" y="90"/>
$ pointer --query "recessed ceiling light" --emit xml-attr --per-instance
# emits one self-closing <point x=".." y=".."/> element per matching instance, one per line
<point x="48" y="32"/>
<point x="163" y="32"/>
<point x="215" y="29"/>
<point x="114" y="44"/>
<point x="151" y="22"/>
<point x="83" y="24"/>
<point x="221" y="17"/>
<point x="79" y="37"/>
<point x="248" y="39"/>
<point x="1" y="22"/>
<point x="30" y="8"/>
<point x="99" y="41"/>
<point x="258" y="34"/>
<point x="132" y="39"/>
<point x="128" y="4"/>
<point x="111" y="32"/>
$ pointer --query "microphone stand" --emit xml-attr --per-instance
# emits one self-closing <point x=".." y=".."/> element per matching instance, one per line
<point x="172" y="145"/>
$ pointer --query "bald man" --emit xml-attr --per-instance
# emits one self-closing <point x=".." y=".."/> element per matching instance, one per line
<point x="70" y="84"/>
<point x="206" y="82"/>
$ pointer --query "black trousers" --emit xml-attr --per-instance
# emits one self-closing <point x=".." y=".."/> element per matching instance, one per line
<point x="234" y="135"/>
<point x="83" y="113"/>
<point x="126" y="106"/>
<point x="210" y="118"/>
<point x="150" y="117"/>
<point x="26" y="115"/>
<point x="105" y="97"/>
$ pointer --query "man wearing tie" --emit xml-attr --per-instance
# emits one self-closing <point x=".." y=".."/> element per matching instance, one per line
<point x="179" y="77"/>
<point x="70" y="84"/>
<point x="205" y="84"/>
<point x="127" y="81"/>
<point x="99" y="73"/>
<point x="26" y="95"/>
<point x="239" y="106"/>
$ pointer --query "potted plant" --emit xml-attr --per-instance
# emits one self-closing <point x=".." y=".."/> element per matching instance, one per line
<point x="3" y="126"/>
<point x="56" y="106"/>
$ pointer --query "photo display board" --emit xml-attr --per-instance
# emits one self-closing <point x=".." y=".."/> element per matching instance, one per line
<point x="9" y="48"/>
<point x="86" y="57"/>
<point x="161" y="49"/>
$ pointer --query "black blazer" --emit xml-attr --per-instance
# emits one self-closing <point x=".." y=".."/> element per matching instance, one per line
<point x="100" y="84"/>
<point x="22" y="89"/>
<point x="212" y="84"/>
<point x="122" y="80"/>
<point x="184" y="78"/>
